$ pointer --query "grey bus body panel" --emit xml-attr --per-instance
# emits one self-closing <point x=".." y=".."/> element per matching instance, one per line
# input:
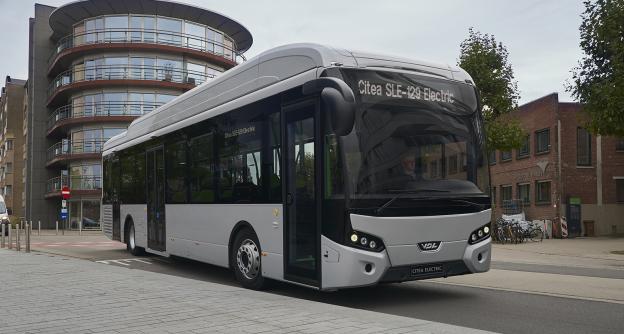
<point x="138" y="214"/>
<point x="202" y="231"/>
<point x="401" y="235"/>
<point x="343" y="266"/>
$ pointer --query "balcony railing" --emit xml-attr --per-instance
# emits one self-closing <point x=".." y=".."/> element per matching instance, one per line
<point x="82" y="110"/>
<point x="80" y="182"/>
<point x="56" y="184"/>
<point x="74" y="147"/>
<point x="147" y="36"/>
<point x="127" y="72"/>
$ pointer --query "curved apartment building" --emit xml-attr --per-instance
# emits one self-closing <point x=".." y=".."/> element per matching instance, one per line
<point x="109" y="62"/>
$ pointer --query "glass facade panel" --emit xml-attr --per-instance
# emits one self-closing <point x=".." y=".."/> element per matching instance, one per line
<point x="169" y="31"/>
<point x="136" y="25"/>
<point x="116" y="28"/>
<point x="196" y="73"/>
<point x="196" y="35"/>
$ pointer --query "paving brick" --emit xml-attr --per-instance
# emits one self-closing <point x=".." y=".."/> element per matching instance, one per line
<point x="66" y="295"/>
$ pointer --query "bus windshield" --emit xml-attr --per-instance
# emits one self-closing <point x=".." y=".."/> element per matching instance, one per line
<point x="414" y="136"/>
<point x="3" y="208"/>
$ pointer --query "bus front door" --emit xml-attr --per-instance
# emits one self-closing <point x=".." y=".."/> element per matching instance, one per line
<point x="301" y="225"/>
<point x="156" y="200"/>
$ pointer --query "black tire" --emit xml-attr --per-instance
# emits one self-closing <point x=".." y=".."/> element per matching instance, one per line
<point x="500" y="235"/>
<point x="246" y="260"/>
<point x="537" y="235"/>
<point x="131" y="241"/>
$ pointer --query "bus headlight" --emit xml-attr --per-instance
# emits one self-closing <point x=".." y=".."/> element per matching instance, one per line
<point x="479" y="234"/>
<point x="365" y="241"/>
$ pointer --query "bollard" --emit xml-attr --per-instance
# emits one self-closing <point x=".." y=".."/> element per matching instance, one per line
<point x="10" y="237"/>
<point x="57" y="227"/>
<point x="38" y="227"/>
<point x="27" y="236"/>
<point x="2" y="238"/>
<point x="80" y="227"/>
<point x="18" y="246"/>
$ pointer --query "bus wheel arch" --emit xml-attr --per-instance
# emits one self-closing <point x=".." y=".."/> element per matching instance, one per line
<point x="130" y="237"/>
<point x="245" y="256"/>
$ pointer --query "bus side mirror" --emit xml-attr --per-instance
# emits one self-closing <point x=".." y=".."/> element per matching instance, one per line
<point x="9" y="212"/>
<point x="338" y="100"/>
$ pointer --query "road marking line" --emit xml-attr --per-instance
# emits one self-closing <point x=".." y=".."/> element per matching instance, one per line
<point x="123" y="262"/>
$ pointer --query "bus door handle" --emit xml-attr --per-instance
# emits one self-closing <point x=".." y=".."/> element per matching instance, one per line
<point x="289" y="199"/>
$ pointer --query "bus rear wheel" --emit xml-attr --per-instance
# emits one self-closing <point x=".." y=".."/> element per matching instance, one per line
<point x="131" y="245"/>
<point x="246" y="260"/>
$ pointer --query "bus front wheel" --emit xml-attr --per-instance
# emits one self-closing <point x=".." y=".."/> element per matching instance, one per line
<point x="246" y="260"/>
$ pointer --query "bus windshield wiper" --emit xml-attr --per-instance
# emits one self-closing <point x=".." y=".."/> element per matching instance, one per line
<point x="405" y="191"/>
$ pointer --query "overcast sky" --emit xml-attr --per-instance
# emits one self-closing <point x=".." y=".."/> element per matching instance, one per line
<point x="542" y="36"/>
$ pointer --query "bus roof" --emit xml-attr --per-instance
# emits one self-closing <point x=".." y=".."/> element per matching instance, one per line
<point x="289" y="65"/>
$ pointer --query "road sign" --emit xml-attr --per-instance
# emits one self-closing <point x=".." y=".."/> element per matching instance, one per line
<point x="63" y="215"/>
<point x="65" y="192"/>
<point x="64" y="203"/>
<point x="63" y="210"/>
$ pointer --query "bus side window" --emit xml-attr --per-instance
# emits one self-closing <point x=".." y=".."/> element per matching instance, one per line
<point x="275" y="142"/>
<point x="202" y="169"/>
<point x="176" y="169"/>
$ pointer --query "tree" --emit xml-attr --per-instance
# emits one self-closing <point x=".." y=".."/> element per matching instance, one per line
<point x="486" y="60"/>
<point x="598" y="80"/>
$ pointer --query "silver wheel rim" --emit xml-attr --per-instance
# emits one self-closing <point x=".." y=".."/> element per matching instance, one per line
<point x="248" y="259"/>
<point x="131" y="237"/>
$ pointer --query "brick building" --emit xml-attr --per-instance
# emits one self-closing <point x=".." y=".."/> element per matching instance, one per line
<point x="562" y="170"/>
<point x="12" y="144"/>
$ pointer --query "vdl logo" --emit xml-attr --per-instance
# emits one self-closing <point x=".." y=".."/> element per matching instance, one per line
<point x="429" y="246"/>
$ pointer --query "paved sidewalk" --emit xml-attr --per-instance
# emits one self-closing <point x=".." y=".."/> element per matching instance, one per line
<point x="44" y="293"/>
<point x="578" y="252"/>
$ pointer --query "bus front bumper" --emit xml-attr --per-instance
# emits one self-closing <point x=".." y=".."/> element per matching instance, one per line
<point x="345" y="267"/>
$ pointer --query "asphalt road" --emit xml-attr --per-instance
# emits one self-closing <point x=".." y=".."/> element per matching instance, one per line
<point x="481" y="308"/>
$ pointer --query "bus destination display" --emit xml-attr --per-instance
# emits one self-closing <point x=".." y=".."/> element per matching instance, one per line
<point x="404" y="91"/>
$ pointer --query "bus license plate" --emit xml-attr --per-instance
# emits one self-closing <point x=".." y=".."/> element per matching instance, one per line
<point x="427" y="269"/>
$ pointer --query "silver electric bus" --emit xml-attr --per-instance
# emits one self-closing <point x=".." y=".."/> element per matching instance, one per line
<point x="319" y="166"/>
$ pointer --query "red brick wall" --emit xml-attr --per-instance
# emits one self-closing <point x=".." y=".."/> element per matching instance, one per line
<point x="578" y="181"/>
<point x="534" y="116"/>
<point x="613" y="165"/>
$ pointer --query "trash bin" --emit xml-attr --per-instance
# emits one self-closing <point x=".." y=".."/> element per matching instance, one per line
<point x="588" y="226"/>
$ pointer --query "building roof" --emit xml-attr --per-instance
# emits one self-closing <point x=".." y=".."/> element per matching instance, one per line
<point x="63" y="18"/>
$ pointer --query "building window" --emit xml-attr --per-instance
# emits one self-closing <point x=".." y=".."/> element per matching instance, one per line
<point x="505" y="194"/>
<point x="8" y="190"/>
<point x="542" y="141"/>
<point x="9" y="168"/>
<point x="505" y="155"/>
<point x="619" y="144"/>
<point x="583" y="147"/>
<point x="542" y="192"/>
<point x="524" y="150"/>
<point x="524" y="193"/>
<point x="9" y="145"/>
<point x="619" y="190"/>
<point x="493" y="158"/>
